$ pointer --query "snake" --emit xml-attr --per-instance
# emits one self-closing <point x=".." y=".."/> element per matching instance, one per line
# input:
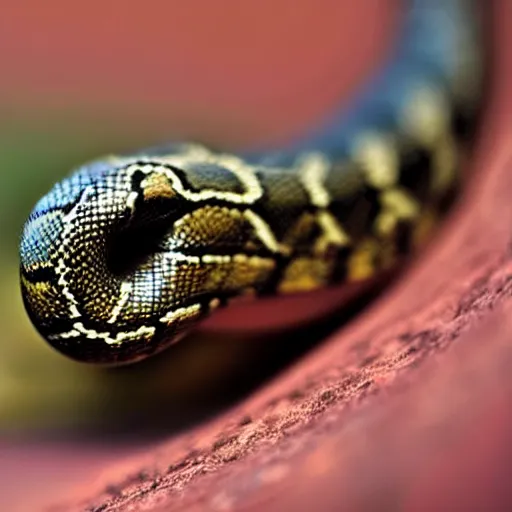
<point x="131" y="252"/>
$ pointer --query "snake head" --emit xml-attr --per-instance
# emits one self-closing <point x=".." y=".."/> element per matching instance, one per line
<point x="122" y="258"/>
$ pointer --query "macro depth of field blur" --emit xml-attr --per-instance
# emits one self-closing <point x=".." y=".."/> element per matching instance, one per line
<point x="83" y="79"/>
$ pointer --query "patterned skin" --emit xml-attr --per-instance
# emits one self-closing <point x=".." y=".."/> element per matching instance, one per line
<point x="126" y="255"/>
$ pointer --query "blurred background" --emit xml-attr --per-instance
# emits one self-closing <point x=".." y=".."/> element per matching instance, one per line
<point x="82" y="79"/>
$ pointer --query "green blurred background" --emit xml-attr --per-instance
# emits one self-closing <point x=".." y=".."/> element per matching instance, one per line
<point x="83" y="79"/>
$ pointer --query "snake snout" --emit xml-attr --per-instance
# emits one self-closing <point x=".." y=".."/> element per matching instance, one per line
<point x="91" y="266"/>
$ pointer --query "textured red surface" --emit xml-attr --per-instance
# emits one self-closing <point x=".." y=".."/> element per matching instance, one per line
<point x="407" y="408"/>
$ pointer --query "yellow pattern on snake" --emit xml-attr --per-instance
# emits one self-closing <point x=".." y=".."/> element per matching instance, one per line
<point x="130" y="252"/>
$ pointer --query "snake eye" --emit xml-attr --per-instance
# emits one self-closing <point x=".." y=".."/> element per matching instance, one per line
<point x="143" y="232"/>
<point x="131" y="247"/>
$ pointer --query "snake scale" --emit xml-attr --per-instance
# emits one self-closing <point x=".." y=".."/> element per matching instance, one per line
<point x="130" y="252"/>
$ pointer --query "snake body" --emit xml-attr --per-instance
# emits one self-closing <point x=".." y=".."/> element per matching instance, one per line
<point x="126" y="255"/>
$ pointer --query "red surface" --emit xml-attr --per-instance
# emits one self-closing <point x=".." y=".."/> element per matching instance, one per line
<point x="408" y="408"/>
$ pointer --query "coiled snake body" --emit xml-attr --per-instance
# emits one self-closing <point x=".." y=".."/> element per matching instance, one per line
<point x="127" y="254"/>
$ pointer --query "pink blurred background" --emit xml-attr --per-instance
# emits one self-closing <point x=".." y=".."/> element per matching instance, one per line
<point x="244" y="69"/>
<point x="82" y="78"/>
